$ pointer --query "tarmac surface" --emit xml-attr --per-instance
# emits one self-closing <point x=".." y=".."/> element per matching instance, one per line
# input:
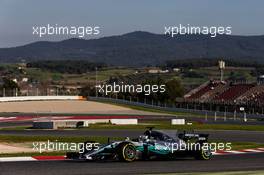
<point x="224" y="135"/>
<point x="217" y="164"/>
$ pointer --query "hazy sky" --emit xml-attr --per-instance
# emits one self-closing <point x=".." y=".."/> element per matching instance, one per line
<point x="122" y="16"/>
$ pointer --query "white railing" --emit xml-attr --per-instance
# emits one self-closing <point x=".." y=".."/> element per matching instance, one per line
<point x="39" y="98"/>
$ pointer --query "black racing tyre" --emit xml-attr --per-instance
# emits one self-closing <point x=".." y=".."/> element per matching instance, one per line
<point x="126" y="152"/>
<point x="203" y="154"/>
<point x="72" y="155"/>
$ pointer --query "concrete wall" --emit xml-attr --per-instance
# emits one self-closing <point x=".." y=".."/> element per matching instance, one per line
<point x="93" y="121"/>
<point x="39" y="98"/>
<point x="55" y="124"/>
<point x="124" y="121"/>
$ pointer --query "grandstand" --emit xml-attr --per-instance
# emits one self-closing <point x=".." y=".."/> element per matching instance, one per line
<point x="233" y="92"/>
<point x="251" y="95"/>
<point x="226" y="96"/>
<point x="207" y="97"/>
<point x="202" y="90"/>
<point x="219" y="92"/>
<point x="258" y="99"/>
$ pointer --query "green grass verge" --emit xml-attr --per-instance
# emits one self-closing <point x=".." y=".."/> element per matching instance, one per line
<point x="77" y="139"/>
<point x="246" y="145"/>
<point x="167" y="125"/>
<point x="162" y="125"/>
<point x="146" y="109"/>
<point x="161" y="111"/>
<point x="17" y="128"/>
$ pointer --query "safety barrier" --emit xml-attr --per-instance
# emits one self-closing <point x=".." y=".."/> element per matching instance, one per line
<point x="39" y="98"/>
<point x="178" y="121"/>
<point x="217" y="114"/>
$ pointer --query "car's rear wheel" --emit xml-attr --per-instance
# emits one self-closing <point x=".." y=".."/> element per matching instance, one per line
<point x="126" y="152"/>
<point x="72" y="155"/>
<point x="203" y="154"/>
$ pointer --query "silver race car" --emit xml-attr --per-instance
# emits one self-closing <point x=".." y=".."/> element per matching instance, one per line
<point x="153" y="144"/>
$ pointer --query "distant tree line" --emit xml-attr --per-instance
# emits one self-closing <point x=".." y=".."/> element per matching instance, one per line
<point x="8" y="87"/>
<point x="174" y="89"/>
<point x="67" y="66"/>
<point x="209" y="62"/>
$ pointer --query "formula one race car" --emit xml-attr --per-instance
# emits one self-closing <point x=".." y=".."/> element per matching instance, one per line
<point x="154" y="144"/>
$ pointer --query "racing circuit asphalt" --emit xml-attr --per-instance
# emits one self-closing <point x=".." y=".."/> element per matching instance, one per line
<point x="243" y="162"/>
<point x="224" y="135"/>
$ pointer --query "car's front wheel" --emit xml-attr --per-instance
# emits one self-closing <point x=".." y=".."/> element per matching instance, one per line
<point x="126" y="152"/>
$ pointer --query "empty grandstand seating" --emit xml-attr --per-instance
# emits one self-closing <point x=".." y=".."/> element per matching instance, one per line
<point x="218" y="92"/>
<point x="251" y="94"/>
<point x="214" y="92"/>
<point x="217" y="95"/>
<point x="259" y="99"/>
<point x="210" y="86"/>
<point x="233" y="92"/>
<point x="193" y="91"/>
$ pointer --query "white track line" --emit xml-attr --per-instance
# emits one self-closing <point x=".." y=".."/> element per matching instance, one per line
<point x="244" y="151"/>
<point x="16" y="159"/>
<point x="253" y="150"/>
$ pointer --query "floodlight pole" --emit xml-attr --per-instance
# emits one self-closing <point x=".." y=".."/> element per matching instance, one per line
<point x="222" y="74"/>
<point x="221" y="65"/>
<point x="225" y="114"/>
<point x="96" y="92"/>
<point x="245" y="116"/>
<point x="215" y="116"/>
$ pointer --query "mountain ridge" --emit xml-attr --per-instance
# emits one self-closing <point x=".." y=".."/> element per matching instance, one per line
<point x="140" y="48"/>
